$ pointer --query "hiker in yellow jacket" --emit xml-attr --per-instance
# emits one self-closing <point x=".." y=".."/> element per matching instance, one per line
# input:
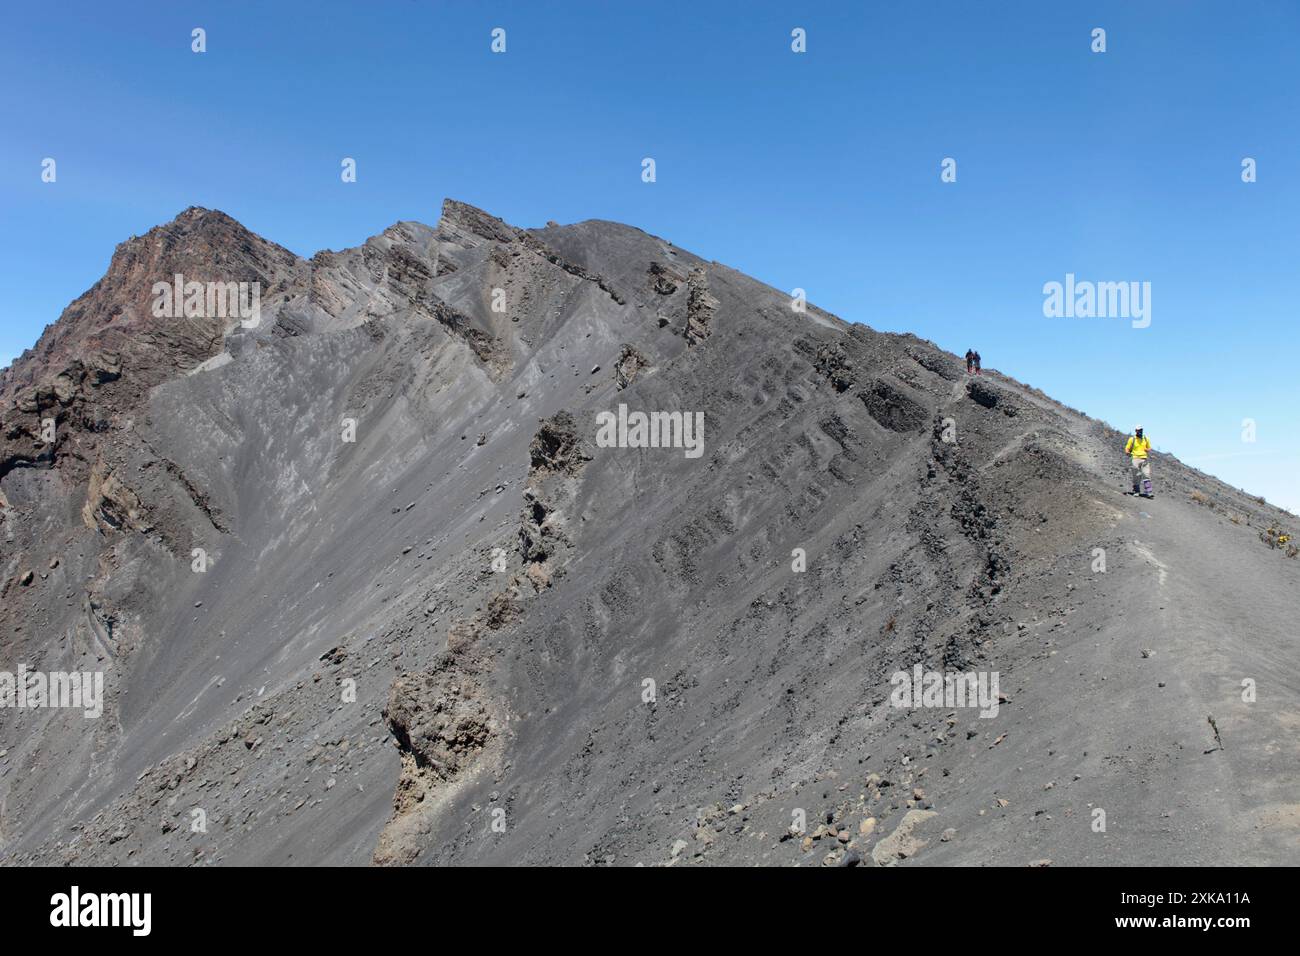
<point x="1138" y="450"/>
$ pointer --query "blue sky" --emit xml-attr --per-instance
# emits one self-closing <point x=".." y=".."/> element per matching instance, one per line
<point x="818" y="170"/>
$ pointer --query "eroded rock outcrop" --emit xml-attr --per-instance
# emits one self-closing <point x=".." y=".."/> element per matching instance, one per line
<point x="630" y="364"/>
<point x="556" y="457"/>
<point x="664" y="279"/>
<point x="556" y="449"/>
<point x="990" y="397"/>
<point x="890" y="404"/>
<point x="700" y="307"/>
<point x="445" y="729"/>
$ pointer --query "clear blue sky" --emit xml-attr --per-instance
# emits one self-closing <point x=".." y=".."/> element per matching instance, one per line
<point x="818" y="170"/>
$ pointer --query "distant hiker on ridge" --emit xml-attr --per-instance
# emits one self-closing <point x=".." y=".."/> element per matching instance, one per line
<point x="970" y="361"/>
<point x="977" y="363"/>
<point x="1138" y="447"/>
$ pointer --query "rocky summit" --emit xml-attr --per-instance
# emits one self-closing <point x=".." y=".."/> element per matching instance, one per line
<point x="478" y="544"/>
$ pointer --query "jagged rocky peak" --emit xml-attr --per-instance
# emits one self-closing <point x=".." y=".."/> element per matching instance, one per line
<point x="132" y="331"/>
<point x="465" y="220"/>
<point x="120" y="311"/>
<point x="206" y="240"/>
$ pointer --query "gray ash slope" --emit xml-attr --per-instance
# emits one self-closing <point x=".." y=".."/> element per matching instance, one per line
<point x="484" y="695"/>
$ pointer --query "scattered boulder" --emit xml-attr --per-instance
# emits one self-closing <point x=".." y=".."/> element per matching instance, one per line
<point x="903" y="842"/>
